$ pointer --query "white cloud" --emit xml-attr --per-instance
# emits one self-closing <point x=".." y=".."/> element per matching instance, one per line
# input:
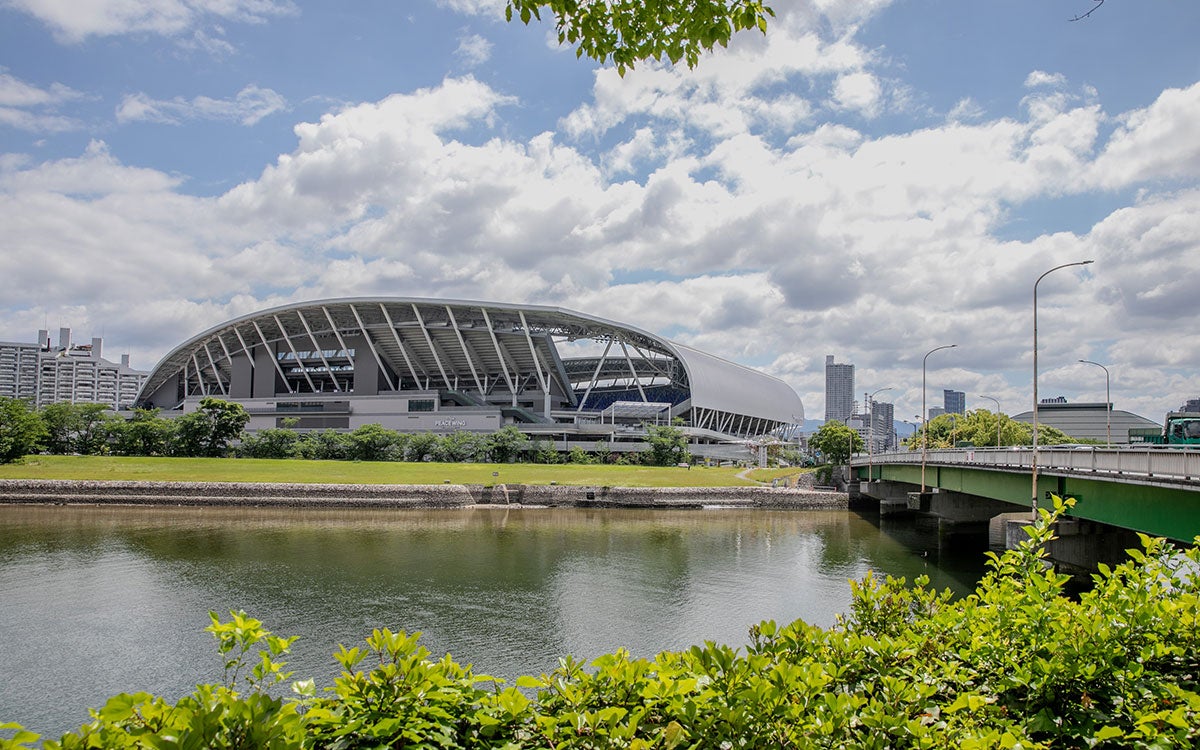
<point x="17" y="93"/>
<point x="473" y="50"/>
<point x="965" y="109"/>
<point x="1154" y="143"/>
<point x="73" y="21"/>
<point x="28" y="107"/>
<point x="493" y="8"/>
<point x="1040" y="78"/>
<point x="250" y="106"/>
<point x="859" y="92"/>
<point x="760" y="233"/>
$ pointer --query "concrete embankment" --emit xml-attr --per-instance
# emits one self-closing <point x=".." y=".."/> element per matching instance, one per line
<point x="402" y="496"/>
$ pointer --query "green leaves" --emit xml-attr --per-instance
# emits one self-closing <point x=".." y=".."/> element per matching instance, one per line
<point x="625" y="32"/>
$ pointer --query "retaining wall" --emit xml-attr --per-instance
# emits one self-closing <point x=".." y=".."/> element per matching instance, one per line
<point x="393" y="495"/>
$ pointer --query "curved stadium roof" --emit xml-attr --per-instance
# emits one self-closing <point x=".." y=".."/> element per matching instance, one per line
<point x="476" y="347"/>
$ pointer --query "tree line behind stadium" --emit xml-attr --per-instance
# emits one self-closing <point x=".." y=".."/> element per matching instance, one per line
<point x="217" y="429"/>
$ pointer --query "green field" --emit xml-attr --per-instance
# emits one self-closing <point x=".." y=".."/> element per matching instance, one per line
<point x="351" y="472"/>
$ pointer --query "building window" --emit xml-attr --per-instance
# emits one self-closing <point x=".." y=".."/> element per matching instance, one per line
<point x="421" y="404"/>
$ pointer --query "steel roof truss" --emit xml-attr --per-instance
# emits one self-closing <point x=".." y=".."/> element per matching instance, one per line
<point x="403" y="349"/>
<point x="338" y="335"/>
<point x="595" y="375"/>
<point x="371" y="345"/>
<point x="320" y="352"/>
<point x="245" y="348"/>
<point x="288" y="340"/>
<point x="432" y="349"/>
<point x="199" y="376"/>
<point x="499" y="354"/>
<point x="466" y="353"/>
<point x="216" y="372"/>
<point x="274" y="360"/>
<point x="542" y="379"/>
<point x="633" y="371"/>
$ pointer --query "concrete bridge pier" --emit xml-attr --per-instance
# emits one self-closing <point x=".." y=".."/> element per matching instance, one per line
<point x="891" y="497"/>
<point x="1081" y="545"/>
<point x="958" y="514"/>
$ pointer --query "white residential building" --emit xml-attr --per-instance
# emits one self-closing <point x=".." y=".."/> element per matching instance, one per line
<point x="77" y="373"/>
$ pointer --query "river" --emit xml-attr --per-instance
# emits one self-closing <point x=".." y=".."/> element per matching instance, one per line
<point x="100" y="600"/>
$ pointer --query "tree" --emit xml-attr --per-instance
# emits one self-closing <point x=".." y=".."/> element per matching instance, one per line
<point x="544" y="452"/>
<point x="629" y="31"/>
<point x="326" y="445"/>
<point x="210" y="429"/>
<point x="506" y="444"/>
<point x="978" y="428"/>
<point x="835" y="441"/>
<point x="276" y="442"/>
<point x="60" y="420"/>
<point x="460" y="446"/>
<point x="21" y="429"/>
<point x="143" y="434"/>
<point x="578" y="455"/>
<point x="421" y="447"/>
<point x="92" y="428"/>
<point x="668" y="445"/>
<point x="374" y="442"/>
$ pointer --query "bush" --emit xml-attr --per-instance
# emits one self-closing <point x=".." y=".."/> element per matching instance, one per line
<point x="1015" y="665"/>
<point x="276" y="442"/>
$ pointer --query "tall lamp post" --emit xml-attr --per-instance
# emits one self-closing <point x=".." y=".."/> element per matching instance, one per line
<point x="871" y="434"/>
<point x="1107" y="403"/>
<point x="1034" y="502"/>
<point x="924" y="418"/>
<point x="997" y="402"/>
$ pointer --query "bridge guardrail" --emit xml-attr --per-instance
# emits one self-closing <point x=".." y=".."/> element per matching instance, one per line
<point x="1160" y="463"/>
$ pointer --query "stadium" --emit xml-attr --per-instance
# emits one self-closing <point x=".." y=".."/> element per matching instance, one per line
<point x="417" y="365"/>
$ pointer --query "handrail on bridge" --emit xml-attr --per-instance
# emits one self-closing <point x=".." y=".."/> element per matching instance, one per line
<point x="1160" y="463"/>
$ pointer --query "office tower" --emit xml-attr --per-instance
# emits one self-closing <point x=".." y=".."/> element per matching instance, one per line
<point x="839" y="390"/>
<point x="955" y="401"/>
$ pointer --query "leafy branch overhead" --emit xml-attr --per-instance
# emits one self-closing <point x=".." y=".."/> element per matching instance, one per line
<point x="626" y="32"/>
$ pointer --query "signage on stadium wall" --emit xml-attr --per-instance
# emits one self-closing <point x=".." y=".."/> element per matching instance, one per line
<point x="450" y="423"/>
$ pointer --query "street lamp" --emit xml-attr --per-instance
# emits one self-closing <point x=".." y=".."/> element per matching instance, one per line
<point x="1034" y="505"/>
<point x="997" y="402"/>
<point x="871" y="434"/>
<point x="924" y="418"/>
<point x="1107" y="403"/>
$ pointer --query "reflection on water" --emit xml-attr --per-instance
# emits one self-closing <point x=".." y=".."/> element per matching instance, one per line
<point x="104" y="600"/>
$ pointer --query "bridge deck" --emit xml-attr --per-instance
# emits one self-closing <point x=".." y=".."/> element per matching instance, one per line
<point x="1156" y="491"/>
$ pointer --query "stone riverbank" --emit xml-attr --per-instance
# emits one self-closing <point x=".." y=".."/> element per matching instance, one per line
<point x="87" y="492"/>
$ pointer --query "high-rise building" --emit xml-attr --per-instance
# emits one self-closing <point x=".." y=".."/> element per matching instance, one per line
<point x="955" y="401"/>
<point x="839" y="390"/>
<point x="883" y="424"/>
<point x="935" y="412"/>
<point x="45" y="374"/>
<point x="1192" y="404"/>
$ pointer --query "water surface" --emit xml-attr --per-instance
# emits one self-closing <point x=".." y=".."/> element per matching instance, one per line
<point x="101" y="600"/>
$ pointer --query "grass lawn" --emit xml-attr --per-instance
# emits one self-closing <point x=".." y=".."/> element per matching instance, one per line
<point x="369" y="472"/>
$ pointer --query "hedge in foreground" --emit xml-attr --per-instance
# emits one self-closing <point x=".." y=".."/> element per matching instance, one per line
<point x="1015" y="665"/>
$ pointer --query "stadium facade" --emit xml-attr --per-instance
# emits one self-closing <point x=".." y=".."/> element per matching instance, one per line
<point x="416" y="365"/>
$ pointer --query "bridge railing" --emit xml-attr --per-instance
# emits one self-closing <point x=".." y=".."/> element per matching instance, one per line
<point x="1163" y="463"/>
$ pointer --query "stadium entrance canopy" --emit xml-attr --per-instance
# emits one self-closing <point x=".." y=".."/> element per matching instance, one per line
<point x="426" y="364"/>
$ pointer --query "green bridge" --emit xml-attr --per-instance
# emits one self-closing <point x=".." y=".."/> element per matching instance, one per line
<point x="1150" y="490"/>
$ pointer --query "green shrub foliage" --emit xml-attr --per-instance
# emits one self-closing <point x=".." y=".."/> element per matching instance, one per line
<point x="1015" y="665"/>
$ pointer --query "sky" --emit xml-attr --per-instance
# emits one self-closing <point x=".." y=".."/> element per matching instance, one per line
<point x="870" y="179"/>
